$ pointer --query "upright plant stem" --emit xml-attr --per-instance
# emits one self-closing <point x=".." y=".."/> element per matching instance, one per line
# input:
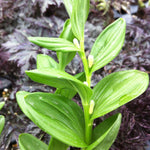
<point x="85" y="63"/>
<point x="61" y="67"/>
<point x="88" y="123"/>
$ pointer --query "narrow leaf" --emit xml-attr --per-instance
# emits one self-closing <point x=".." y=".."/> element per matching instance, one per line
<point x="117" y="89"/>
<point x="68" y="5"/>
<point x="65" y="58"/>
<point x="79" y="16"/>
<point x="1" y="105"/>
<point x="2" y="122"/>
<point x="57" y="145"/>
<point x="58" y="116"/>
<point x="61" y="79"/>
<point x="105" y="133"/>
<point x="45" y="61"/>
<point x="29" y="142"/>
<point x="54" y="44"/>
<point x="108" y="44"/>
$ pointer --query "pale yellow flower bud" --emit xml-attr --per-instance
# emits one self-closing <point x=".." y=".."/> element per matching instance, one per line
<point x="76" y="43"/>
<point x="85" y="83"/>
<point x="92" y="104"/>
<point x="90" y="60"/>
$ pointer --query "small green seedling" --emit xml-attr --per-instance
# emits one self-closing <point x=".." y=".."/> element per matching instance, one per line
<point x="2" y="118"/>
<point x="56" y="113"/>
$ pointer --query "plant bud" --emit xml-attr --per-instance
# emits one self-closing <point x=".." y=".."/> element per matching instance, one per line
<point x="92" y="104"/>
<point x="85" y="83"/>
<point x="90" y="60"/>
<point x="76" y="43"/>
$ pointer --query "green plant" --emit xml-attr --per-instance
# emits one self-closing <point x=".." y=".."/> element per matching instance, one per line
<point x="57" y="114"/>
<point x="103" y="5"/>
<point x="2" y="119"/>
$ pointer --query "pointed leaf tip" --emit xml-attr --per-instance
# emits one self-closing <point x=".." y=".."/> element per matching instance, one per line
<point x="28" y="142"/>
<point x="54" y="44"/>
<point x="118" y="89"/>
<point x="30" y="38"/>
<point x="108" y="44"/>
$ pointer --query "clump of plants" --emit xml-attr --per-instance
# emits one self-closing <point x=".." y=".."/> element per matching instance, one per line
<point x="56" y="113"/>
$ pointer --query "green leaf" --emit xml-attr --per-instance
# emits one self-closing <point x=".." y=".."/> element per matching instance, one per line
<point x="79" y="16"/>
<point x="57" y="145"/>
<point x="61" y="79"/>
<point x="108" y="44"/>
<point x="58" y="116"/>
<point x="45" y="61"/>
<point x="29" y="142"/>
<point x="68" y="5"/>
<point x="22" y="104"/>
<point x="2" y="122"/>
<point x="54" y="44"/>
<point x="117" y="89"/>
<point x="105" y="133"/>
<point x="1" y="105"/>
<point x="65" y="58"/>
<point x="20" y="99"/>
<point x="67" y="31"/>
<point x="69" y="93"/>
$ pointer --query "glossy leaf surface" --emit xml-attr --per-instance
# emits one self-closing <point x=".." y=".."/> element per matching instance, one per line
<point x="45" y="61"/>
<point x="60" y="79"/>
<point x="65" y="58"/>
<point x="2" y="122"/>
<point x="22" y="104"/>
<point x="29" y="142"/>
<point x="79" y="16"/>
<point x="108" y="44"/>
<point x="117" y="89"/>
<point x="69" y="93"/>
<point x="56" y="145"/>
<point x="58" y="116"/>
<point x="54" y="44"/>
<point x="68" y="5"/>
<point x="1" y="105"/>
<point x="105" y="133"/>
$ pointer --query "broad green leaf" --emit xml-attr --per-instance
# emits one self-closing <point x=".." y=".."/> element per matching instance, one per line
<point x="65" y="58"/>
<point x="29" y="142"/>
<point x="69" y="93"/>
<point x="105" y="133"/>
<point x="54" y="44"/>
<point x="20" y="99"/>
<point x="68" y="5"/>
<point x="1" y="105"/>
<point x="57" y="145"/>
<point x="117" y="89"/>
<point x="108" y="44"/>
<point x="58" y="116"/>
<point x="61" y="79"/>
<point x="45" y="61"/>
<point x="79" y="16"/>
<point x="2" y="122"/>
<point x="22" y="104"/>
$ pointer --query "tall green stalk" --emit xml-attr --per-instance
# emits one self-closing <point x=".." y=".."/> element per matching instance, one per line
<point x="86" y="106"/>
